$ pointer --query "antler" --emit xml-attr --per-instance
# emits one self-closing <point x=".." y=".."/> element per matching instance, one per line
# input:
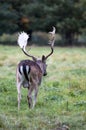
<point x="22" y="42"/>
<point x="51" y="42"/>
<point x="34" y="58"/>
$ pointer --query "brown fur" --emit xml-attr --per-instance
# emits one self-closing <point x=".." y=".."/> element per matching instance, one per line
<point x="35" y="76"/>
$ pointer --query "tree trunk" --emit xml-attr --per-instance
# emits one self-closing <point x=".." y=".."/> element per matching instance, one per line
<point x="68" y="39"/>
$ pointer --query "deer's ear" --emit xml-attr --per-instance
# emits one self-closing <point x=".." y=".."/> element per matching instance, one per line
<point x="43" y="58"/>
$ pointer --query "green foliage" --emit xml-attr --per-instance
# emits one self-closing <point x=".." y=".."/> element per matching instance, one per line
<point x="61" y="99"/>
<point x="8" y="18"/>
<point x="69" y="17"/>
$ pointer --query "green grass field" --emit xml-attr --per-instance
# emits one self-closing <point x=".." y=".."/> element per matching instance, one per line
<point x="62" y="95"/>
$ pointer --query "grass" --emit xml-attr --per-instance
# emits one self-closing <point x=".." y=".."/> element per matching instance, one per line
<point x="61" y="97"/>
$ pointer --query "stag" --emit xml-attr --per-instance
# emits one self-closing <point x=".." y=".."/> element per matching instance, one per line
<point x="30" y="72"/>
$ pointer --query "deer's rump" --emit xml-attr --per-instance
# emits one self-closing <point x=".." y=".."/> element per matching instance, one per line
<point x="26" y="70"/>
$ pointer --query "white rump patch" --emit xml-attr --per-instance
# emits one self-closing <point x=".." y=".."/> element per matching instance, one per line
<point x="21" y="69"/>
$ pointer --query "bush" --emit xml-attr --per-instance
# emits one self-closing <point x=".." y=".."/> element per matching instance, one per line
<point x="40" y="39"/>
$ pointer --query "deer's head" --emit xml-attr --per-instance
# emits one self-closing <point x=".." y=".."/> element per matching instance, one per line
<point x="22" y="41"/>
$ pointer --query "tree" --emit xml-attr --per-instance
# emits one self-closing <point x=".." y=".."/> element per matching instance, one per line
<point x="71" y="20"/>
<point x="68" y="16"/>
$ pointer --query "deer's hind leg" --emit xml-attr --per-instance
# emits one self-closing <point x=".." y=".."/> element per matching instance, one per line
<point x="19" y="83"/>
<point x="29" y="96"/>
<point x="35" y="95"/>
<point x="32" y="100"/>
<point x="19" y="94"/>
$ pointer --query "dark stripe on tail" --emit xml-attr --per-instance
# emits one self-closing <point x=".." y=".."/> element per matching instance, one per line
<point x="25" y="72"/>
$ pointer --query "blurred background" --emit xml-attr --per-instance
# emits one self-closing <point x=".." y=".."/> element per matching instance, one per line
<point x="36" y="17"/>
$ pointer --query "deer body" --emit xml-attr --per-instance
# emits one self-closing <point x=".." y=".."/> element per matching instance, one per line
<point x="29" y="73"/>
